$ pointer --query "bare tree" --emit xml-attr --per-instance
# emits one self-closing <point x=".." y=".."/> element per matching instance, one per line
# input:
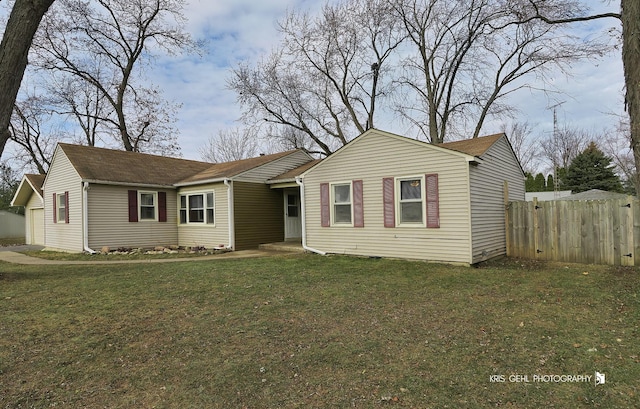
<point x="326" y="79"/>
<point x="229" y="145"/>
<point x="568" y="142"/>
<point x="106" y="43"/>
<point x="469" y="55"/>
<point x="629" y="17"/>
<point x="31" y="131"/>
<point x="616" y="146"/>
<point x="525" y="146"/>
<point x="22" y="25"/>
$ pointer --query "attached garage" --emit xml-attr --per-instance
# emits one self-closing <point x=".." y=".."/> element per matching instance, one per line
<point x="29" y="195"/>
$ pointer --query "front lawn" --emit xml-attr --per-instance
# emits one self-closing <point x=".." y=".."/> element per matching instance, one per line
<point x="309" y="331"/>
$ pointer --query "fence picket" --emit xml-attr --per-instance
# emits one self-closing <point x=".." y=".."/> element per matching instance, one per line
<point x="600" y="232"/>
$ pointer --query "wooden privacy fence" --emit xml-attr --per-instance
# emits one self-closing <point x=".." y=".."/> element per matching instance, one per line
<point x="581" y="231"/>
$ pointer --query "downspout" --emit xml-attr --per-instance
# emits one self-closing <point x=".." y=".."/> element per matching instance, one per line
<point x="232" y="233"/>
<point x="304" y="219"/>
<point x="85" y="218"/>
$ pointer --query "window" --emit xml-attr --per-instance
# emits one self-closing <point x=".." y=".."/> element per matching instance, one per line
<point x="341" y="201"/>
<point x="61" y="201"/>
<point x="197" y="208"/>
<point x="292" y="205"/>
<point x="410" y="203"/>
<point x="147" y="202"/>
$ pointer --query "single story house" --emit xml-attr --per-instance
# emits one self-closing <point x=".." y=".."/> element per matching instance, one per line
<point x="96" y="197"/>
<point x="380" y="195"/>
<point x="391" y="196"/>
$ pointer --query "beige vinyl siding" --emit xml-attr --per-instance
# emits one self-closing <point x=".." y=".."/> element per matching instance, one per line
<point x="259" y="214"/>
<point x="487" y="200"/>
<point x="205" y="234"/>
<point x="34" y="219"/>
<point x="62" y="177"/>
<point x="270" y="170"/>
<point x="372" y="158"/>
<point x="109" y="219"/>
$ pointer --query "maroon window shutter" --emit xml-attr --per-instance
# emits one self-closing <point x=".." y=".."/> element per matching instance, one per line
<point x="358" y="205"/>
<point x="55" y="208"/>
<point x="433" y="203"/>
<point x="388" y="195"/>
<point x="66" y="207"/>
<point x="133" y="205"/>
<point x="325" y="209"/>
<point x="162" y="206"/>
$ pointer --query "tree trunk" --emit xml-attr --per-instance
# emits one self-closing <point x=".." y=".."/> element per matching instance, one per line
<point x="631" y="63"/>
<point x="22" y="25"/>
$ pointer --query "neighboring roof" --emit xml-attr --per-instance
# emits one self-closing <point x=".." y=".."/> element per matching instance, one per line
<point x="475" y="146"/>
<point x="595" y="194"/>
<point x="230" y="169"/>
<point x="293" y="173"/>
<point x="109" y="165"/>
<point x="29" y="184"/>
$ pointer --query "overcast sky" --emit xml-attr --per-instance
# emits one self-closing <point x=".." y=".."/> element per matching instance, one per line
<point x="244" y="30"/>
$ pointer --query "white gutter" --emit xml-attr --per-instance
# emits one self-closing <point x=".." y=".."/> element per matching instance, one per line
<point x="232" y="233"/>
<point x="304" y="219"/>
<point x="85" y="218"/>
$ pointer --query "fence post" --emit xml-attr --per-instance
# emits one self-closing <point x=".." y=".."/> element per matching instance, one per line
<point x="536" y="233"/>
<point x="505" y="193"/>
<point x="629" y="254"/>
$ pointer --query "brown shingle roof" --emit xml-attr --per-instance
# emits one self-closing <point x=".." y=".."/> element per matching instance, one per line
<point x="109" y="165"/>
<point x="36" y="181"/>
<point x="474" y="146"/>
<point x="229" y="169"/>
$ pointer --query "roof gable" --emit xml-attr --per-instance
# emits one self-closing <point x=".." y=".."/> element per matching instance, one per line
<point x="29" y="184"/>
<point x="392" y="137"/>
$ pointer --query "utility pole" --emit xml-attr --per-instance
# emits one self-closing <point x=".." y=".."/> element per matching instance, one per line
<point x="556" y="182"/>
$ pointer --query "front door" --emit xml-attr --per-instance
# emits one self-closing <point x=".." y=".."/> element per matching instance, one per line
<point x="292" y="217"/>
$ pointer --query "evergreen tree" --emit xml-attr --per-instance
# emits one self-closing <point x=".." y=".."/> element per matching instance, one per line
<point x="540" y="183"/>
<point x="550" y="186"/>
<point x="591" y="169"/>
<point x="530" y="183"/>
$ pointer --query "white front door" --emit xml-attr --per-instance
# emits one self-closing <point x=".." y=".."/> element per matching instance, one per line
<point x="292" y="217"/>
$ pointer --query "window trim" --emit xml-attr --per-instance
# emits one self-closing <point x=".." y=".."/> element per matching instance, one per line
<point x="207" y="206"/>
<point x="332" y="203"/>
<point x="398" y="201"/>
<point x="61" y="197"/>
<point x="156" y="209"/>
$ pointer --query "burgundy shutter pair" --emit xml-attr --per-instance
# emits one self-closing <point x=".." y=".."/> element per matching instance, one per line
<point x="66" y="207"/>
<point x="432" y="201"/>
<point x="357" y="200"/>
<point x="133" y="206"/>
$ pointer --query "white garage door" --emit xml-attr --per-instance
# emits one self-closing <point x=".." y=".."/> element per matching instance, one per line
<point x="37" y="226"/>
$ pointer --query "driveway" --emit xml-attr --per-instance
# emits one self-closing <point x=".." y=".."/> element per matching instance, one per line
<point x="21" y="247"/>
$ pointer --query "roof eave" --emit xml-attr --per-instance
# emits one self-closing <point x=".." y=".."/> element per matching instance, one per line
<point x="146" y="185"/>
<point x="19" y="192"/>
<point x="202" y="182"/>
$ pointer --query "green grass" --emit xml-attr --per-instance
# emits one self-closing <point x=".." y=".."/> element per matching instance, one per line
<point x="309" y="331"/>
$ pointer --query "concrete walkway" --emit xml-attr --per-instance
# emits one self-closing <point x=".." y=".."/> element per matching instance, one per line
<point x="19" y="258"/>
